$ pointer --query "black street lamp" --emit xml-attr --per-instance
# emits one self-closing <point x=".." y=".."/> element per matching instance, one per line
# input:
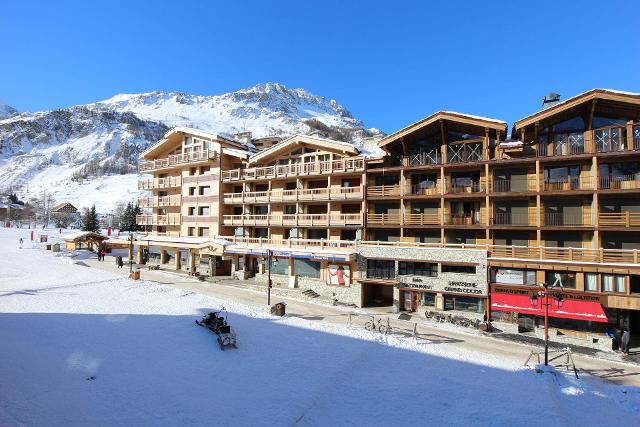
<point x="545" y="292"/>
<point x="269" y="283"/>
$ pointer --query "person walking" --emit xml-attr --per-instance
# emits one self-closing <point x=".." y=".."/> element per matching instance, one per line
<point x="21" y="242"/>
<point x="119" y="262"/>
<point x="626" y="337"/>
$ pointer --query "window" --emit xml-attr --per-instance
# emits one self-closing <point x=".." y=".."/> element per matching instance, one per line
<point x="280" y="266"/>
<point x="513" y="276"/>
<point x="203" y="211"/>
<point x="203" y="231"/>
<point x="192" y="231"/>
<point x="204" y="190"/>
<point x="305" y="268"/>
<point x="188" y="141"/>
<point x="613" y="283"/>
<point x="204" y="169"/>
<point x="192" y="191"/>
<point x="428" y="299"/>
<point x="193" y="171"/>
<point x="591" y="282"/>
<point x="418" y="269"/>
<point x="565" y="279"/>
<point x="381" y="269"/>
<point x="464" y="269"/>
<point x="192" y="211"/>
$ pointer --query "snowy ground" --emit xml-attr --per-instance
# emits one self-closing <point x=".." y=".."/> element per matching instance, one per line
<point x="81" y="346"/>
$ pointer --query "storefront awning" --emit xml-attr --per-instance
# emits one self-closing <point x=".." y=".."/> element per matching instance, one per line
<point x="578" y="309"/>
<point x="319" y="255"/>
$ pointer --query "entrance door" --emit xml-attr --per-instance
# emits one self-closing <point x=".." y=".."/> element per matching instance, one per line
<point x="408" y="301"/>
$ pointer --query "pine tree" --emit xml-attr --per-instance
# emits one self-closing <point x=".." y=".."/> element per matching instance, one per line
<point x="129" y="217"/>
<point x="90" y="220"/>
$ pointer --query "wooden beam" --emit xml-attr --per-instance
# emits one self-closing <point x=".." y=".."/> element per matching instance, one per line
<point x="590" y="117"/>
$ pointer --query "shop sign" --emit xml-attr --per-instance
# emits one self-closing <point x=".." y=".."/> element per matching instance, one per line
<point x="438" y="285"/>
<point x="463" y="288"/>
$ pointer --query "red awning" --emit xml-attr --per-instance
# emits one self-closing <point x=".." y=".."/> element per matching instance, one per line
<point x="570" y="309"/>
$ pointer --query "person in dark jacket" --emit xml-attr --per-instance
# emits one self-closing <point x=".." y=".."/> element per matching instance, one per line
<point x="119" y="262"/>
<point x="626" y="337"/>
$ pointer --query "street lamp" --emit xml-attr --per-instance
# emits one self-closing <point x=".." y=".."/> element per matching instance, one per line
<point x="130" y="239"/>
<point x="546" y="292"/>
<point x="269" y="283"/>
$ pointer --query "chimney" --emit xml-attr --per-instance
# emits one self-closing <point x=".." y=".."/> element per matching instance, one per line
<point x="550" y="100"/>
<point x="244" y="136"/>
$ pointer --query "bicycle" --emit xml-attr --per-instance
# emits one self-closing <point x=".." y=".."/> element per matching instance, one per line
<point x="372" y="325"/>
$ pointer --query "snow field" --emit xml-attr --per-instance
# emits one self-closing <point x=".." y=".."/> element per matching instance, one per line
<point x="86" y="347"/>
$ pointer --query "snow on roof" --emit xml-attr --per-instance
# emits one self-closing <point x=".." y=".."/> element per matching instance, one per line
<point x="243" y="154"/>
<point x="509" y="144"/>
<point x="80" y="234"/>
<point x="304" y="138"/>
<point x="471" y="116"/>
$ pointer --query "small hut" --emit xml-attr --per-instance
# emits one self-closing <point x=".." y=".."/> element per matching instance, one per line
<point x="83" y="240"/>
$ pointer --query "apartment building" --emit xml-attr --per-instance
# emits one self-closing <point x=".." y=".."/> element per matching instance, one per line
<point x="459" y="214"/>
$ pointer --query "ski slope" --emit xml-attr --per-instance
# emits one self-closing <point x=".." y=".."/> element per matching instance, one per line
<point x="82" y="346"/>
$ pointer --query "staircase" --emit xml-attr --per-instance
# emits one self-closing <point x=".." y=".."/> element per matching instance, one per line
<point x="310" y="294"/>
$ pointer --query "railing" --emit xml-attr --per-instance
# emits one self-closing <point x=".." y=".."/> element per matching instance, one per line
<point x="168" y="182"/>
<point x="150" y="202"/>
<point x="517" y="184"/>
<point x="619" y="219"/>
<point x="302" y="194"/>
<point x="168" y="219"/>
<point x="620" y="182"/>
<point x="563" y="219"/>
<point x="464" y="152"/>
<point x="421" y="219"/>
<point x="423" y="190"/>
<point x="294" y="220"/>
<point x="383" y="190"/>
<point x="615" y="256"/>
<point x="475" y="218"/>
<point x="432" y="157"/>
<point x="380" y="273"/>
<point x="177" y="159"/>
<point x="383" y="219"/>
<point x="296" y="169"/>
<point x="571" y="183"/>
<point x="199" y="199"/>
<point x="514" y="218"/>
<point x="199" y="218"/>
<point x="469" y="187"/>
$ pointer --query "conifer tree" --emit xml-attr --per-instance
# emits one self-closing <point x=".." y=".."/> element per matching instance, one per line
<point x="90" y="220"/>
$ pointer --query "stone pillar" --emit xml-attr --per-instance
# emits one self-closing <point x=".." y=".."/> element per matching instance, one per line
<point x="177" y="260"/>
<point x="439" y="302"/>
<point x="163" y="256"/>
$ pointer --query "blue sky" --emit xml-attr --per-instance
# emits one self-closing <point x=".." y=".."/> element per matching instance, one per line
<point x="390" y="63"/>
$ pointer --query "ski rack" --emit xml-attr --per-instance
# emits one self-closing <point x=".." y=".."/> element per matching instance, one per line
<point x="565" y="352"/>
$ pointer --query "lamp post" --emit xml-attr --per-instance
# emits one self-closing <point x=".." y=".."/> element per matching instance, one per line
<point x="545" y="292"/>
<point x="269" y="284"/>
<point x="130" y="238"/>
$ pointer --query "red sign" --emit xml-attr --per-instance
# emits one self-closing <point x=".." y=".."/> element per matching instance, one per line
<point x="586" y="308"/>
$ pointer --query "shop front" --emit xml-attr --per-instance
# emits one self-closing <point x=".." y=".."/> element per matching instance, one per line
<point x="450" y="295"/>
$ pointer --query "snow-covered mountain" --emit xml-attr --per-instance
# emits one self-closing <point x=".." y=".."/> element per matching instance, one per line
<point x="88" y="153"/>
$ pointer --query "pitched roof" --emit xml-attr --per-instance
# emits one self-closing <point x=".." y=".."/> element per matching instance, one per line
<point x="609" y="94"/>
<point x="63" y="204"/>
<point x="445" y="115"/>
<point x="179" y="130"/>
<point x="283" y="146"/>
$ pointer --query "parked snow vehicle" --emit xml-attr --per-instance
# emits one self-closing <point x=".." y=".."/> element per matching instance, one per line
<point x="217" y="323"/>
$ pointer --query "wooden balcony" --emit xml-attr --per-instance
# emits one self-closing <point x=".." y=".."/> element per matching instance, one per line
<point x="423" y="190"/>
<point x="176" y="160"/>
<point x="302" y="194"/>
<point x="199" y="219"/>
<point x="576" y="183"/>
<point x="374" y="219"/>
<point x="383" y="191"/>
<point x="417" y="219"/>
<point x="169" y="219"/>
<point x="294" y="220"/>
<point x="295" y="170"/>
<point x="515" y="219"/>
<point x="619" y="182"/>
<point x="619" y="219"/>
<point x="520" y="184"/>
<point x="199" y="199"/>
<point x="472" y="219"/>
<point x="466" y="188"/>
<point x="156" y="183"/>
<point x="559" y="219"/>
<point x="160" y="201"/>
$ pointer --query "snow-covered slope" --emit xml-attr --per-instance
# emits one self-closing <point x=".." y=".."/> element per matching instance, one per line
<point x="65" y="151"/>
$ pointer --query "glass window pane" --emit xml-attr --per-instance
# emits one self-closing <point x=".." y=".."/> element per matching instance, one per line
<point x="590" y="282"/>
<point x="305" y="268"/>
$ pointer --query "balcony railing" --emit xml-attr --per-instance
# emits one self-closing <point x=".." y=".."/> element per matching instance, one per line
<point x="199" y="218"/>
<point x="465" y="152"/>
<point x="564" y="219"/>
<point x="200" y="199"/>
<point x="168" y="219"/>
<point x="169" y="182"/>
<point x="177" y="160"/>
<point x="296" y="169"/>
<point x="466" y="187"/>
<point x="571" y="183"/>
<point x="294" y="220"/>
<point x="383" y="219"/>
<point x="515" y="218"/>
<point x="615" y="256"/>
<point x="620" y="182"/>
<point x="302" y="194"/>
<point x="422" y="219"/>
<point x="383" y="191"/>
<point x="474" y="218"/>
<point x="519" y="184"/>
<point x="424" y="190"/>
<point x="160" y="201"/>
<point x="432" y="157"/>
<point x="619" y="219"/>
